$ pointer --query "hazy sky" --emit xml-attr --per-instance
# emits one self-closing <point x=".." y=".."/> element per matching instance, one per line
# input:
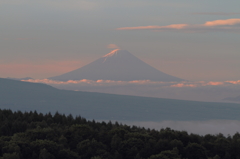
<point x="194" y="40"/>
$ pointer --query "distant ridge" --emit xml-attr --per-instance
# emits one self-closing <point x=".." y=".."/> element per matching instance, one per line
<point x="19" y="79"/>
<point x="232" y="99"/>
<point x="25" y="96"/>
<point x="118" y="65"/>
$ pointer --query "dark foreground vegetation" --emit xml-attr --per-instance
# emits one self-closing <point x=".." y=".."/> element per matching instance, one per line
<point x="32" y="135"/>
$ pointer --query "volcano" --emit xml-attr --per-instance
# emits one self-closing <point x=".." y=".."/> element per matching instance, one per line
<point x="118" y="65"/>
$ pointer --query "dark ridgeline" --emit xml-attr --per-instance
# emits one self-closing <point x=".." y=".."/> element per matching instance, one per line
<point x="118" y="65"/>
<point x="32" y="135"/>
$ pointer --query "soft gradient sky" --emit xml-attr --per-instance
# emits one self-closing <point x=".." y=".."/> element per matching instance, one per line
<point x="186" y="38"/>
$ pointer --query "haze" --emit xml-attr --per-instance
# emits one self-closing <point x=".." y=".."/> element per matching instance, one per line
<point x="197" y="41"/>
<point x="193" y="40"/>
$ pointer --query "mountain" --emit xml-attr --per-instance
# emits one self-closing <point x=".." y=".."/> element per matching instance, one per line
<point x="25" y="78"/>
<point x="24" y="96"/>
<point x="118" y="65"/>
<point x="232" y="99"/>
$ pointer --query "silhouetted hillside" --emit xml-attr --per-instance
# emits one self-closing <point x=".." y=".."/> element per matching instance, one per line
<point x="31" y="135"/>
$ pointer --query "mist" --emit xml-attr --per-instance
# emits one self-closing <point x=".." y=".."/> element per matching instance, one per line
<point x="225" y="127"/>
<point x="210" y="91"/>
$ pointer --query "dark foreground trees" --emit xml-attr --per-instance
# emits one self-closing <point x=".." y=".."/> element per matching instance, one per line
<point x="32" y="135"/>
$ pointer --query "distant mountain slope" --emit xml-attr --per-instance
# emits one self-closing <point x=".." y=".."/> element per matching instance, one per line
<point x="232" y="99"/>
<point x="17" y="95"/>
<point x="118" y="65"/>
<point x="25" y="78"/>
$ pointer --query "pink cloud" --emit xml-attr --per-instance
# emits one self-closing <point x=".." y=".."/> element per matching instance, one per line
<point x="222" y="22"/>
<point x="48" y="81"/>
<point x="234" y="82"/>
<point x="183" y="85"/>
<point x="172" y="26"/>
<point x="113" y="46"/>
<point x="204" y="83"/>
<point x="207" y="26"/>
<point x="141" y="81"/>
<point x="215" y="83"/>
<point x="98" y="82"/>
<point x="159" y="84"/>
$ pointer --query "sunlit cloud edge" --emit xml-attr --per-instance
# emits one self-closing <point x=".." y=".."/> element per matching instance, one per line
<point x="215" y="25"/>
<point x="136" y="82"/>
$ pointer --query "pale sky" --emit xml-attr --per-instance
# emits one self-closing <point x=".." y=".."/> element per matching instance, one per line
<point x="193" y="40"/>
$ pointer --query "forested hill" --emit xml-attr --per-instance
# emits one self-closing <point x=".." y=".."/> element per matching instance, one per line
<point x="30" y="135"/>
<point x="25" y="96"/>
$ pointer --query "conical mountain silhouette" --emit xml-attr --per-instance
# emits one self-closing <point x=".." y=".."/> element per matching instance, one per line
<point x="118" y="65"/>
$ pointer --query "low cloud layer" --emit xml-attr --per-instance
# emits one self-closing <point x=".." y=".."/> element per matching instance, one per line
<point x="226" y="127"/>
<point x="212" y="91"/>
<point x="137" y="82"/>
<point x="216" y="25"/>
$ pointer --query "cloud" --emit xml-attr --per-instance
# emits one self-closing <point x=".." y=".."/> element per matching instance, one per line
<point x="98" y="82"/>
<point x="213" y="91"/>
<point x="136" y="82"/>
<point x="234" y="82"/>
<point x="216" y="25"/>
<point x="173" y="26"/>
<point x="113" y="46"/>
<point x="203" y="83"/>
<point x="183" y="85"/>
<point x="222" y="22"/>
<point x="215" y="83"/>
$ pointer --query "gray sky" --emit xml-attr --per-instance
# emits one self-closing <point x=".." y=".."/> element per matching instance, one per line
<point x="194" y="40"/>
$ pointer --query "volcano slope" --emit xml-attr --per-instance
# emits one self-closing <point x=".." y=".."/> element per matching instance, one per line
<point x="118" y="65"/>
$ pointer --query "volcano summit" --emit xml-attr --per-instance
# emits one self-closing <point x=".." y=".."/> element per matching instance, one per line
<point x="118" y="65"/>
